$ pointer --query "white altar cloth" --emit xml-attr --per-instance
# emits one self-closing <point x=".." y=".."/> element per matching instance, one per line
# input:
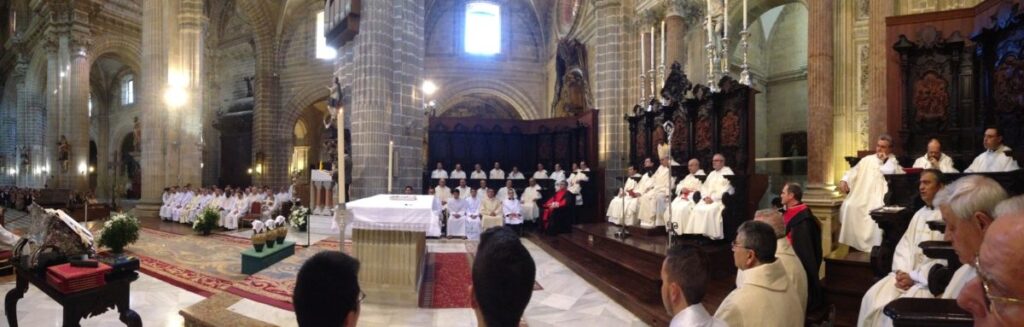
<point x="393" y="212"/>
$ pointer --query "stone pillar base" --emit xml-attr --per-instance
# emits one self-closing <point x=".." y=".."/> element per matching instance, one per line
<point x="148" y="210"/>
<point x="824" y="203"/>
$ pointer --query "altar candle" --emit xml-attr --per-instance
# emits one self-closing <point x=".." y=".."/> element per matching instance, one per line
<point x="663" y="42"/>
<point x="321" y="165"/>
<point x="653" y="59"/>
<point x="709" y="20"/>
<point x="744" y="14"/>
<point x="641" y="52"/>
<point x="391" y="152"/>
<point x="725" y="19"/>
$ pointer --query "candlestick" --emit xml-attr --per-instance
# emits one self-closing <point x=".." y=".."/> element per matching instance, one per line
<point x="662" y="42"/>
<point x="391" y="166"/>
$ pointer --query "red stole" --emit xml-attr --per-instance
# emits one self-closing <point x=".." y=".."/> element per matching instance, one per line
<point x="790" y="213"/>
<point x="559" y="198"/>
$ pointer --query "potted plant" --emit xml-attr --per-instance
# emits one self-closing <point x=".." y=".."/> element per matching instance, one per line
<point x="299" y="218"/>
<point x="258" y="241"/>
<point x="119" y="231"/>
<point x="206" y="221"/>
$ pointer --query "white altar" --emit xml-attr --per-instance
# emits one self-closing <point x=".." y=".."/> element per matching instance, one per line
<point x="389" y="239"/>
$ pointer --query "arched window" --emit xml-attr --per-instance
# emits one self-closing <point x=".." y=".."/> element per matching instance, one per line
<point x="483" y="28"/>
<point x="322" y="50"/>
<point x="128" y="89"/>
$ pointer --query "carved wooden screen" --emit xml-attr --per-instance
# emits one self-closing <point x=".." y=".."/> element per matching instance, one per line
<point x="932" y="68"/>
<point x="734" y="123"/>
<point x="1000" y="54"/>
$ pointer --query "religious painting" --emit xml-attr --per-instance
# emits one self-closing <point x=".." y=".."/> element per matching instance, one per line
<point x="794" y="145"/>
<point x="931" y="97"/>
<point x="572" y="92"/>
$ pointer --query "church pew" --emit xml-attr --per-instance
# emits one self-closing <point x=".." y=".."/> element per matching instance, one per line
<point x="940" y="275"/>
<point x="903" y="191"/>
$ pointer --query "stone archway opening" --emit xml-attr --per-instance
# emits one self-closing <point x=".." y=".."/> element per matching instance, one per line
<point x="479" y="105"/>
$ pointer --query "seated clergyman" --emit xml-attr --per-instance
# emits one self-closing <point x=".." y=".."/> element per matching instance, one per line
<point x="515" y="173"/>
<point x="442" y="192"/>
<point x="654" y="190"/>
<point x="865" y="183"/>
<point x="496" y="173"/>
<point x="457" y="214"/>
<point x="995" y="158"/>
<point x="478" y="172"/>
<point x="995" y="296"/>
<point x="935" y="159"/>
<point x="541" y="173"/>
<point x="967" y="206"/>
<point x="458" y="173"/>
<point x="439" y="172"/>
<point x="682" y="205"/>
<point x="625" y="203"/>
<point x="706" y="217"/>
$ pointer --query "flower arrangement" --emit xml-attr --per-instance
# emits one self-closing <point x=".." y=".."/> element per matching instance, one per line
<point x="282" y="230"/>
<point x="119" y="231"/>
<point x="206" y="221"/>
<point x="299" y="218"/>
<point x="259" y="237"/>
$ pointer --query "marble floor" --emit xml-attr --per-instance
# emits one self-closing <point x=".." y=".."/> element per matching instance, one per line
<point x="566" y="300"/>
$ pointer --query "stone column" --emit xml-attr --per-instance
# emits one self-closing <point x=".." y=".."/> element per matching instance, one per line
<point x="153" y="111"/>
<point x="612" y="94"/>
<point x="675" y="41"/>
<point x="191" y="22"/>
<point x="77" y="128"/>
<point x="820" y="196"/>
<point x="877" y="105"/>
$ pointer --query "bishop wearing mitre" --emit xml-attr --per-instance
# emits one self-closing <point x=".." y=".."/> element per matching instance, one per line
<point x="866" y="185"/>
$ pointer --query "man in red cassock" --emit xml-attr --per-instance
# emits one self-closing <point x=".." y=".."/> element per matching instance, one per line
<point x="557" y="201"/>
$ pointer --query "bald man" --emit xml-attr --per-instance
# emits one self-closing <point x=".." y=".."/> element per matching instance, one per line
<point x="706" y="217"/>
<point x="935" y="159"/>
<point x="995" y="296"/>
<point x="683" y="203"/>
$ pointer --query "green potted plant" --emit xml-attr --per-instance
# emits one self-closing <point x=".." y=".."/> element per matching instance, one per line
<point x="206" y="221"/>
<point x="119" y="231"/>
<point x="299" y="218"/>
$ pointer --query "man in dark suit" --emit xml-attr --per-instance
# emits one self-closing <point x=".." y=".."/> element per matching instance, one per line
<point x="804" y="234"/>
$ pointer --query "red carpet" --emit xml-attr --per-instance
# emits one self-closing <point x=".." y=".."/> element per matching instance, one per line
<point x="447" y="280"/>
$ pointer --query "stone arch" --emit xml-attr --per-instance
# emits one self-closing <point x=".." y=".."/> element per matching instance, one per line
<point x="519" y="100"/>
<point x="124" y="49"/>
<point x="300" y="101"/>
<point x="755" y="10"/>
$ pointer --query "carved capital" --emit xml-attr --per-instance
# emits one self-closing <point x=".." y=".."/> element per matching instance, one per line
<point x="692" y="12"/>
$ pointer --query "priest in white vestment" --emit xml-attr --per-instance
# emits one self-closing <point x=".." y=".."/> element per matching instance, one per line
<point x="682" y="205"/>
<point x="784" y="254"/>
<point x="968" y="207"/>
<point x="442" y="192"/>
<point x="457" y="215"/>
<point x="439" y="172"/>
<point x="626" y="203"/>
<point x="540" y="173"/>
<point x="512" y="211"/>
<point x="226" y="206"/>
<point x="655" y="193"/>
<point x="576" y="182"/>
<point x="994" y="159"/>
<point x="473" y="224"/>
<point x="241" y="207"/>
<point x="458" y="173"/>
<point x="910" y="267"/>
<point x="558" y="174"/>
<point x="531" y="195"/>
<point x="491" y="211"/>
<point x="437" y="212"/>
<point x="503" y="192"/>
<point x="463" y="188"/>
<point x="935" y="159"/>
<point x="765" y="298"/>
<point x="706" y="217"/>
<point x="496" y="173"/>
<point x="866" y="185"/>
<point x="478" y="173"/>
<point x="166" y="202"/>
<point x="996" y="296"/>
<point x="515" y="173"/>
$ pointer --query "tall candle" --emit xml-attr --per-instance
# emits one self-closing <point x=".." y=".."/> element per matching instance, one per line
<point x="391" y="166"/>
<point x="709" y="21"/>
<point x="663" y="42"/>
<point x="744" y="15"/>
<point x="654" y="60"/>
<point x="725" y="20"/>
<point x="642" y="52"/>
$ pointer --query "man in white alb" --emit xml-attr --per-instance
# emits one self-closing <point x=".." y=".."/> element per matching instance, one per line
<point x="478" y="173"/>
<point x="496" y="173"/>
<point x="442" y="192"/>
<point x="541" y="173"/>
<point x="866" y="185"/>
<point x="706" y="217"/>
<point x="994" y="159"/>
<point x="463" y="188"/>
<point x="439" y="172"/>
<point x="457" y="214"/>
<point x="458" y="173"/>
<point x="935" y="159"/>
<point x="625" y="204"/>
<point x="558" y="174"/>
<point x="515" y="173"/>
<point x="655" y="193"/>
<point x="529" y="200"/>
<point x="683" y="204"/>
<point x="473" y="215"/>
<point x="503" y="192"/>
<point x="576" y="182"/>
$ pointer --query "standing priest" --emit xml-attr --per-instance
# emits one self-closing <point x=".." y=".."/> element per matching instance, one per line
<point x="706" y="217"/>
<point x="866" y="185"/>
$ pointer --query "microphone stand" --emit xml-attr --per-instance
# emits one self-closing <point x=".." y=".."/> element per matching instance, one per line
<point x="670" y="225"/>
<point x="623" y="233"/>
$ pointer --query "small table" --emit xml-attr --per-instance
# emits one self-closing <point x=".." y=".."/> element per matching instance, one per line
<point x="253" y="262"/>
<point x="78" y="305"/>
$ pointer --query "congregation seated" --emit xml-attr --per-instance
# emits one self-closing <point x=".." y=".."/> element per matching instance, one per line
<point x="18" y="197"/>
<point x="865" y="187"/>
<point x="910" y="266"/>
<point x="706" y="217"/>
<point x="623" y="207"/>
<point x="327" y="291"/>
<point x="503" y="276"/>
<point x="678" y="220"/>
<point x="935" y="159"/>
<point x="767" y="296"/>
<point x="996" y="157"/>
<point x="684" y="281"/>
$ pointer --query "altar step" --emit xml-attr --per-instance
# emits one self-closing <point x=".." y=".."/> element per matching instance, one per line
<point x="846" y="280"/>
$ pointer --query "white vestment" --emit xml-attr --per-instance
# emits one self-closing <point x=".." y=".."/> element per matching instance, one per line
<point x="439" y="174"/>
<point x="908" y="258"/>
<point x="706" y="218"/>
<point x="794" y="269"/>
<point x="478" y="174"/>
<point x="225" y="207"/>
<point x="682" y="205"/>
<point x="945" y="164"/>
<point x="763" y="300"/>
<point x="623" y="205"/>
<point x="434" y="230"/>
<point x="993" y="161"/>
<point x="540" y="174"/>
<point x="166" y="200"/>
<point x="442" y="193"/>
<point x="473" y="226"/>
<point x="240" y="209"/>
<point x="503" y="193"/>
<point x="696" y="315"/>
<point x="496" y="174"/>
<point x="558" y="175"/>
<point x="961" y="277"/>
<point x="654" y="198"/>
<point x="457" y="174"/>
<point x="491" y="213"/>
<point x="867" y="191"/>
<point x="529" y="200"/>
<point x="457" y="217"/>
<point x="463" y="191"/>
<point x="516" y="175"/>
<point x="512" y="212"/>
